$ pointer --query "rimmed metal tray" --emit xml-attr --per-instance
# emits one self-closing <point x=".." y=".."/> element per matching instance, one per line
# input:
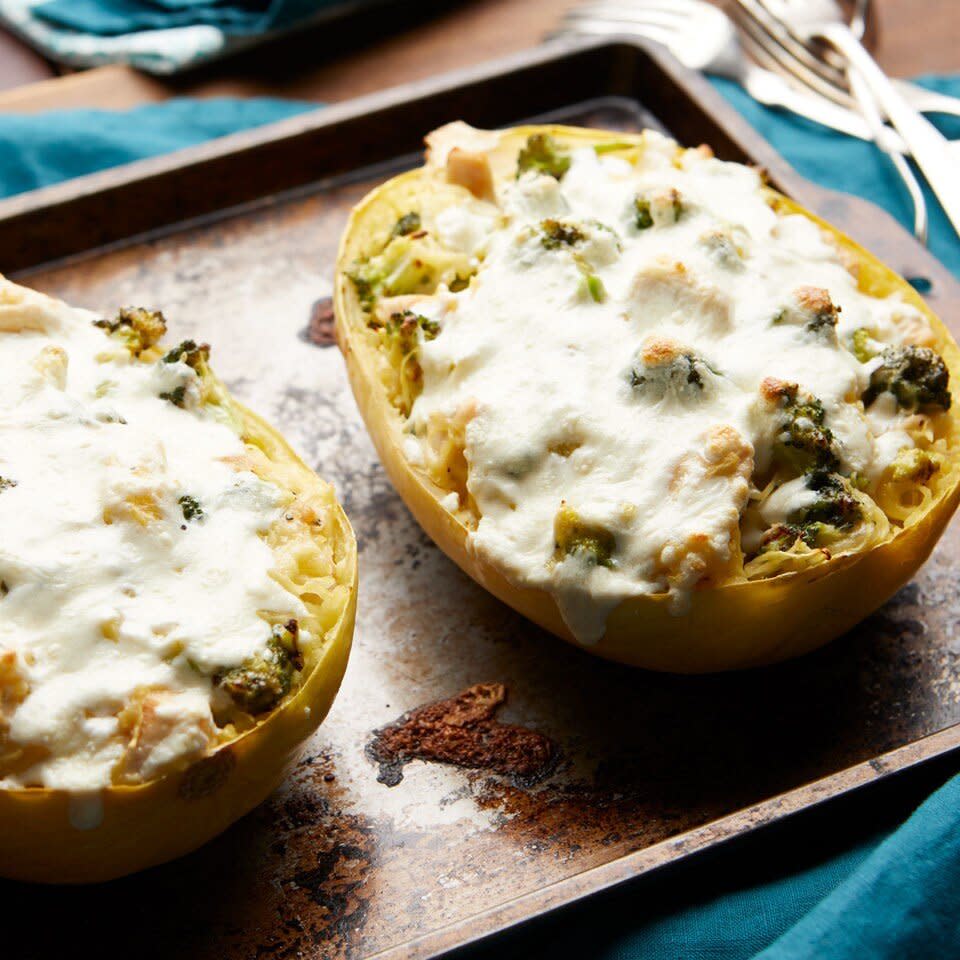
<point x="555" y="775"/>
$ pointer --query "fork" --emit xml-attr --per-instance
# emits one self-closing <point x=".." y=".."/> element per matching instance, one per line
<point x="822" y="19"/>
<point x="760" y="21"/>
<point x="702" y="37"/>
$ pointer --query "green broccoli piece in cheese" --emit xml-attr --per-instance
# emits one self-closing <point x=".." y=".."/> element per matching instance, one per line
<point x="863" y="345"/>
<point x="263" y="680"/>
<point x="642" y="217"/>
<point x="811" y="308"/>
<point x="403" y="327"/>
<point x="802" y="441"/>
<point x="835" y="505"/>
<point x="573" y="536"/>
<point x="407" y="224"/>
<point x="177" y="396"/>
<point x="664" y="368"/>
<point x="722" y="250"/>
<point x="913" y="464"/>
<point x="191" y="509"/>
<point x="595" y="288"/>
<point x="6" y="484"/>
<point x="556" y="234"/>
<point x="818" y="524"/>
<point x="543" y="154"/>
<point x="783" y="536"/>
<point x="916" y="376"/>
<point x="407" y="264"/>
<point x="188" y="352"/>
<point x="138" y="328"/>
<point x="660" y="208"/>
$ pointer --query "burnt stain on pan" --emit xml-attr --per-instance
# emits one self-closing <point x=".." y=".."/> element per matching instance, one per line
<point x="463" y="731"/>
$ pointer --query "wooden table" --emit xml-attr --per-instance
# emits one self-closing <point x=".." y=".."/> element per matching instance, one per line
<point x="913" y="36"/>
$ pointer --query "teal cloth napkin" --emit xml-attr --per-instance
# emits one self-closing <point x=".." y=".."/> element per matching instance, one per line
<point x="114" y="17"/>
<point x="37" y="150"/>
<point x="160" y="36"/>
<point x="892" y="894"/>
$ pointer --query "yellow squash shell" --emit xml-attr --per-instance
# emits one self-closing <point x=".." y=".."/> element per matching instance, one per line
<point x="741" y="624"/>
<point x="53" y="836"/>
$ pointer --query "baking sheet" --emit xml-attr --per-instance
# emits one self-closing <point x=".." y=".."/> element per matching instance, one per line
<point x="600" y="772"/>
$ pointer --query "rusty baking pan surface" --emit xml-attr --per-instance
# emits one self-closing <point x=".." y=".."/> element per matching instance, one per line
<point x="474" y="771"/>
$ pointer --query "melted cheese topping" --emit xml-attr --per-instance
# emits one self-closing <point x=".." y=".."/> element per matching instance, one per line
<point x="109" y="596"/>
<point x="554" y="356"/>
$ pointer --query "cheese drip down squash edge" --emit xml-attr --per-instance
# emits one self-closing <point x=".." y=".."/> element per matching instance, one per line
<point x="61" y="836"/>
<point x="737" y="624"/>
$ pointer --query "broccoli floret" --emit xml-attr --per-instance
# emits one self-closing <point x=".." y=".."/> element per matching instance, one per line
<point x="818" y="523"/>
<point x="863" y="345"/>
<point x="642" y="216"/>
<point x="803" y="442"/>
<point x="191" y="509"/>
<point x="913" y="464"/>
<point x="403" y="328"/>
<point x="191" y="354"/>
<point x="811" y="308"/>
<point x="661" y="208"/>
<point x="594" y="287"/>
<point x="176" y="396"/>
<point x="835" y="504"/>
<point x="408" y="223"/>
<point x="408" y="264"/>
<point x="783" y="536"/>
<point x="685" y="374"/>
<point x="263" y="680"/>
<point x="590" y="542"/>
<point x="137" y="327"/>
<point x="556" y="234"/>
<point x="543" y="154"/>
<point x="916" y="376"/>
<point x="722" y="250"/>
<point x="6" y="483"/>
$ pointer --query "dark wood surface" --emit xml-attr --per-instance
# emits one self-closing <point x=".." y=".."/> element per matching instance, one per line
<point x="338" y="864"/>
<point x="912" y="36"/>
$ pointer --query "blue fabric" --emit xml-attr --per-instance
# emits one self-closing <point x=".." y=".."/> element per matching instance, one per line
<point x="41" y="149"/>
<point x="852" y="165"/>
<point x="903" y="900"/>
<point x="116" y="17"/>
<point x="891" y="893"/>
<point x="158" y="36"/>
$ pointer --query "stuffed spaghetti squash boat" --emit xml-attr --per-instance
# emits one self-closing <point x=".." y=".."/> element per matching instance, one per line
<point x="644" y="399"/>
<point x="177" y="595"/>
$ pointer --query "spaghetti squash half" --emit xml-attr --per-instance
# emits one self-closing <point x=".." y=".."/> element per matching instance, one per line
<point x="642" y="398"/>
<point x="177" y="595"/>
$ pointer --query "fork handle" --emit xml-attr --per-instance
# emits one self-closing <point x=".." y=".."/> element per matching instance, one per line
<point x="768" y="88"/>
<point x="928" y="146"/>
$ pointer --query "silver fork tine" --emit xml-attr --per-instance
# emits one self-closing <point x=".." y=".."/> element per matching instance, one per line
<point x="756" y="16"/>
<point x="778" y="51"/>
<point x="778" y="58"/>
